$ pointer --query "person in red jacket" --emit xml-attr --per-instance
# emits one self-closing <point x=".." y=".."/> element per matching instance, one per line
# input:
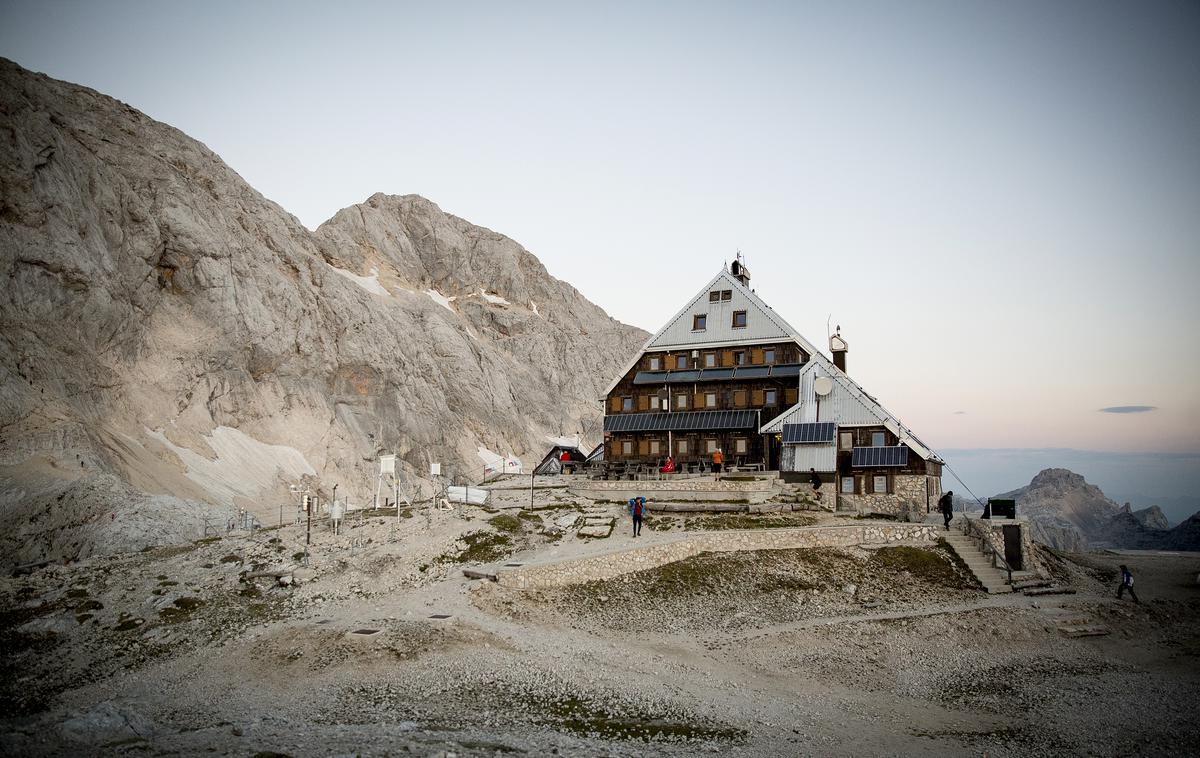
<point x="669" y="466"/>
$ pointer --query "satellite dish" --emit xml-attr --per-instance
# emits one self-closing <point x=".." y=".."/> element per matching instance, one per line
<point x="822" y="385"/>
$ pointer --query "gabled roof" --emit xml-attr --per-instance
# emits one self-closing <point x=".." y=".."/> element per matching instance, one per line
<point x="848" y="405"/>
<point x="763" y="324"/>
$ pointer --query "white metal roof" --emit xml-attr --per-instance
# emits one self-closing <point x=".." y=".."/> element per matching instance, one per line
<point x="847" y="405"/>
<point x="763" y="324"/>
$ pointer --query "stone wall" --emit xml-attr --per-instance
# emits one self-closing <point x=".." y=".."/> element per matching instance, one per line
<point x="678" y="490"/>
<point x="994" y="529"/>
<point x="907" y="498"/>
<point x="618" y="562"/>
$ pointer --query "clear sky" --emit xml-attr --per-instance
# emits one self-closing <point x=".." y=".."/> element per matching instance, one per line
<point x="999" y="202"/>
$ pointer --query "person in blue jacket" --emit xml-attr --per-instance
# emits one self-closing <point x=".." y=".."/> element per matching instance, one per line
<point x="637" y="509"/>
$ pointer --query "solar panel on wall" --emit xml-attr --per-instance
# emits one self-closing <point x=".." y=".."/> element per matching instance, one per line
<point x="716" y="374"/>
<point x="799" y="434"/>
<point x="786" y="369"/>
<point x="677" y="377"/>
<point x="752" y="372"/>
<point x="650" y="377"/>
<point x="867" y="457"/>
<point x="686" y="421"/>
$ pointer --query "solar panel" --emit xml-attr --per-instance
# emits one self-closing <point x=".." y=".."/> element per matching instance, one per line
<point x="866" y="457"/>
<point x="685" y="421"/>
<point x="650" y="377"/>
<point x="677" y="377"/>
<point x="786" y="369"/>
<point x="799" y="434"/>
<point x="753" y="372"/>
<point x="716" y="374"/>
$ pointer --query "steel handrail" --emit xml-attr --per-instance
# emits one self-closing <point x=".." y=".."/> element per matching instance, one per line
<point x="986" y="545"/>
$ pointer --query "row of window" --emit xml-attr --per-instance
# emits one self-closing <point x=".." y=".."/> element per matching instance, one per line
<point x="713" y="399"/>
<point x="717" y="296"/>
<point x="700" y="321"/>
<point x="709" y="359"/>
<point x="864" y="485"/>
<point x="740" y="446"/>
<point x="846" y="439"/>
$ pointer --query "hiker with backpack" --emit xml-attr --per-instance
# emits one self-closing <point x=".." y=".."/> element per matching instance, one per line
<point x="637" y="510"/>
<point x="1127" y="584"/>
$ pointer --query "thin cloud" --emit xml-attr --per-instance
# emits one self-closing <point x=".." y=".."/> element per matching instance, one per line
<point x="960" y="413"/>
<point x="1129" y="409"/>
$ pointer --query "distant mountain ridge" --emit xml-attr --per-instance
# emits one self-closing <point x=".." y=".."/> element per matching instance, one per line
<point x="1068" y="513"/>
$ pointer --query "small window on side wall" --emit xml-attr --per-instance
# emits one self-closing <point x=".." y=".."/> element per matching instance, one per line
<point x="681" y="401"/>
<point x="627" y="447"/>
<point x="846" y="441"/>
<point x="879" y="484"/>
<point x="699" y="322"/>
<point x="769" y="355"/>
<point x="654" y="447"/>
<point x="739" y="319"/>
<point x="714" y="296"/>
<point x="681" y="361"/>
<point x="682" y="447"/>
<point x="740" y="446"/>
<point x="626" y="403"/>
<point x="655" y="363"/>
<point x="771" y="397"/>
<point x="726" y="294"/>
<point x="710" y="400"/>
<point x="878" y="439"/>
<point x="710" y="360"/>
<point x="847" y="485"/>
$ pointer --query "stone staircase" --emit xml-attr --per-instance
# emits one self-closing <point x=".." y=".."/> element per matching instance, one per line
<point x="994" y="580"/>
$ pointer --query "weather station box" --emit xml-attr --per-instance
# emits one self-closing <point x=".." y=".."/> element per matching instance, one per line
<point x="1001" y="508"/>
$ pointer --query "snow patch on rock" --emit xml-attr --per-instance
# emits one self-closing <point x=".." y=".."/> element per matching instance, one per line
<point x="533" y="307"/>
<point x="495" y="463"/>
<point x="369" y="283"/>
<point x="440" y="299"/>
<point x="243" y="466"/>
<point x="493" y="299"/>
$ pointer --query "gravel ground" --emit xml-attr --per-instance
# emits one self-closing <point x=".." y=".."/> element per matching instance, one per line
<point x="797" y="652"/>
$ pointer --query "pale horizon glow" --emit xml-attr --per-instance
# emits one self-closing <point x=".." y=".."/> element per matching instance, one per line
<point x="998" y="202"/>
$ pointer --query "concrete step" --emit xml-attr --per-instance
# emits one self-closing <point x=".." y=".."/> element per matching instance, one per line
<point x="1060" y="590"/>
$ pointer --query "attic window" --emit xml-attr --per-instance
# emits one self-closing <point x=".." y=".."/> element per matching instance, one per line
<point x="739" y="319"/>
<point x="714" y="296"/>
<point x="726" y="294"/>
<point x="655" y="363"/>
<point x="877" y="439"/>
<point x="699" y="321"/>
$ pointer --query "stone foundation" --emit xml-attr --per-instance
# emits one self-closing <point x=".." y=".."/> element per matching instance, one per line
<point x="616" y="563"/>
<point x="679" y="490"/>
<point x="906" y="500"/>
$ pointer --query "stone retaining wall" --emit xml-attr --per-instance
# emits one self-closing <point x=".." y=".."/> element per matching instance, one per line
<point x="907" y="497"/>
<point x="679" y="490"/>
<point x="609" y="565"/>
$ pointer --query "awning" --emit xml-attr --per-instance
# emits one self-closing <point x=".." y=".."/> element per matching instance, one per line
<point x="811" y="433"/>
<point x="684" y="421"/>
<point x="869" y="457"/>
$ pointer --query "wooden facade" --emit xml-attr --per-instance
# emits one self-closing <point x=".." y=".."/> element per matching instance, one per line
<point x="651" y="386"/>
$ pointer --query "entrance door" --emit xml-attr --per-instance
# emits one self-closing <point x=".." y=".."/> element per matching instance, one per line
<point x="1012" y="546"/>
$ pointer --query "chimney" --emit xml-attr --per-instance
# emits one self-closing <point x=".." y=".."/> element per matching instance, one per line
<point x="839" y="347"/>
<point x="739" y="270"/>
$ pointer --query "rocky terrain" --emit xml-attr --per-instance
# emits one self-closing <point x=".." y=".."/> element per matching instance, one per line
<point x="164" y="324"/>
<point x="371" y="642"/>
<point x="1069" y="514"/>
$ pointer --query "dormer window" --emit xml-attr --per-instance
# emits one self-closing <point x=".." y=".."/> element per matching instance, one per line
<point x="739" y="319"/>
<point x="700" y="321"/>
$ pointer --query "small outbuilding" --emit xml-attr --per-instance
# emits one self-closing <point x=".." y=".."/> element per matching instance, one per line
<point x="554" y="461"/>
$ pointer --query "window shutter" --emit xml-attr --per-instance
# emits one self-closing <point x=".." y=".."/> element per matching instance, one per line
<point x="758" y="397"/>
<point x="614" y="404"/>
<point x="726" y="357"/>
<point x="699" y="400"/>
<point x="643" y="402"/>
<point x="643" y="446"/>
<point x="756" y="355"/>
<point x="739" y="398"/>
<point x="790" y="395"/>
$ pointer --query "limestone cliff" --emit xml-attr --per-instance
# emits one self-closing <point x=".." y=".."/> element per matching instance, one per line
<point x="164" y="323"/>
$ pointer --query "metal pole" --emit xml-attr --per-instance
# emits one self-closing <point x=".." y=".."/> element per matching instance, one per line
<point x="308" y="529"/>
<point x="531" y="476"/>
